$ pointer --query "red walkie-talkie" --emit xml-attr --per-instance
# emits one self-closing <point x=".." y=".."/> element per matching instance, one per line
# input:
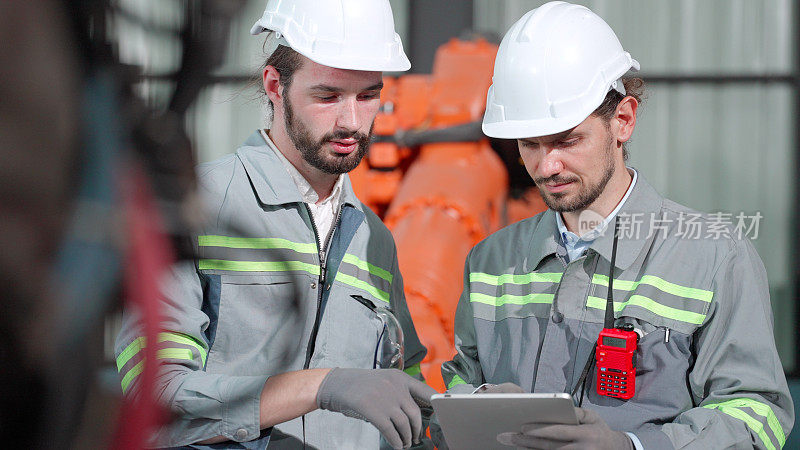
<point x="616" y="362"/>
<point x="615" y="352"/>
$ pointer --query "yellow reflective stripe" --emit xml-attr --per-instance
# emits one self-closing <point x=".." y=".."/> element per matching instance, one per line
<point x="650" y="305"/>
<point x="658" y="283"/>
<point x="455" y="381"/>
<point x="175" y="353"/>
<point x="254" y="243"/>
<point x="258" y="266"/>
<point x="762" y="409"/>
<point x="508" y="278"/>
<point x="167" y="353"/>
<point x="355" y="282"/>
<point x="184" y="339"/>
<point x="752" y="423"/>
<point x="510" y="299"/>
<point x="413" y="370"/>
<point x="132" y="349"/>
<point x="140" y="343"/>
<point x="371" y="268"/>
<point x="135" y="370"/>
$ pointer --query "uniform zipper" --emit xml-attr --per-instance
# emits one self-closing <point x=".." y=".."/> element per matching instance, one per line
<point x="323" y="260"/>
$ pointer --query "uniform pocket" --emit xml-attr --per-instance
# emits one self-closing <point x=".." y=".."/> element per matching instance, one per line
<point x="351" y="328"/>
<point x="663" y="358"/>
<point x="661" y="388"/>
<point x="658" y="344"/>
<point x="261" y="323"/>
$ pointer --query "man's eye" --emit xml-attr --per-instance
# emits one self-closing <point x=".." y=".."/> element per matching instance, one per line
<point x="370" y="96"/>
<point x="568" y="143"/>
<point x="326" y="98"/>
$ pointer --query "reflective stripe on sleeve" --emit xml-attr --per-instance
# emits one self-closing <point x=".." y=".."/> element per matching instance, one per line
<point x="413" y="370"/>
<point x="131" y="350"/>
<point x="734" y="407"/>
<point x="128" y="378"/>
<point x="455" y="381"/>
<point x="166" y="351"/>
<point x="175" y="353"/>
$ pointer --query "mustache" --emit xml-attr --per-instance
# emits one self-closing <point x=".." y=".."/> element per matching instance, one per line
<point x="555" y="179"/>
<point x="362" y="138"/>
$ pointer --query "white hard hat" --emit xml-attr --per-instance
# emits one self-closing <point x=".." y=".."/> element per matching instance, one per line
<point x="554" y="67"/>
<point x="346" y="34"/>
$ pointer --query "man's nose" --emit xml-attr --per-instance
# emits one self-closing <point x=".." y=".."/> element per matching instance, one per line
<point x="550" y="164"/>
<point x="348" y="115"/>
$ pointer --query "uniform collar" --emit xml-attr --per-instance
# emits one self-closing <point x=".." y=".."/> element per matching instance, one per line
<point x="641" y="207"/>
<point x="544" y="241"/>
<point x="306" y="190"/>
<point x="592" y="234"/>
<point x="271" y="182"/>
<point x="638" y="213"/>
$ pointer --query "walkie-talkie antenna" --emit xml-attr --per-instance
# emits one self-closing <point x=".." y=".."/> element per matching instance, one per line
<point x="609" y="319"/>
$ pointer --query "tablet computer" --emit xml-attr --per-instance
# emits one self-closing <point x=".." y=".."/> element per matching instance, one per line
<point x="473" y="421"/>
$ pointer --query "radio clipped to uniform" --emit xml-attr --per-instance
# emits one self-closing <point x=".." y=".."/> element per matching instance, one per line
<point x="614" y="353"/>
<point x="616" y="362"/>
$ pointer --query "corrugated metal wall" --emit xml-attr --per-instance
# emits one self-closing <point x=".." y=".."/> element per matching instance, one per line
<point x="712" y="147"/>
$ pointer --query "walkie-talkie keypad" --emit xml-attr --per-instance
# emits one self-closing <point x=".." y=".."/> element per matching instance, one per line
<point x="613" y="382"/>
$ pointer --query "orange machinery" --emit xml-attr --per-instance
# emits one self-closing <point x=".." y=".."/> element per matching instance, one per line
<point x="440" y="185"/>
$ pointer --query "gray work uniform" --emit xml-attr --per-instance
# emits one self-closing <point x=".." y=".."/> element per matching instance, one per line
<point x="708" y="373"/>
<point x="262" y="299"/>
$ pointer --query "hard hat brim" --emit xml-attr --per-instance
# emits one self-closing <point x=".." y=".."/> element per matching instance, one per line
<point x="399" y="63"/>
<point x="522" y="129"/>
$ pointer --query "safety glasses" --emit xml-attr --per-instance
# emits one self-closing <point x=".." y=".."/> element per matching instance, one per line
<point x="390" y="351"/>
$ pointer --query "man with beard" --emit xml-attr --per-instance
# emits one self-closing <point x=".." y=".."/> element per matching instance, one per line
<point x="286" y="330"/>
<point x="707" y="373"/>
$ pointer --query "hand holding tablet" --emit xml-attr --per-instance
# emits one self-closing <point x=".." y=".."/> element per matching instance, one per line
<point x="471" y="421"/>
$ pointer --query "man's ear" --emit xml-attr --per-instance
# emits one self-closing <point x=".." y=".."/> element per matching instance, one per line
<point x="625" y="119"/>
<point x="271" y="79"/>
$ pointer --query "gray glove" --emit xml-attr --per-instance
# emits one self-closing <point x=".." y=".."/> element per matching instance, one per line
<point x="387" y="398"/>
<point x="590" y="433"/>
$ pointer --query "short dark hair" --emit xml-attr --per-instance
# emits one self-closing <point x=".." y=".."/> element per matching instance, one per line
<point x="634" y="87"/>
<point x="286" y="61"/>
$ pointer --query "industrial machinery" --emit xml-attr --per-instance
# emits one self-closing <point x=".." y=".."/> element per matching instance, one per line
<point x="440" y="185"/>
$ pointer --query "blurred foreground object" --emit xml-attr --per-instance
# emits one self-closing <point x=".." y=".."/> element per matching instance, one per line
<point x="38" y="148"/>
<point x="91" y="178"/>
